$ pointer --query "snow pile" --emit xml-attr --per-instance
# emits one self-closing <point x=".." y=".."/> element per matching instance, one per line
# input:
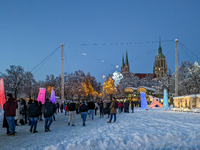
<point x="144" y="129"/>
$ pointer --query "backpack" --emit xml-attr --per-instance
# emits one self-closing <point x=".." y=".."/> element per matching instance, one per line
<point x="116" y="105"/>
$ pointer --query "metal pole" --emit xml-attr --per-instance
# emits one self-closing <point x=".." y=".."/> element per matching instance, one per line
<point x="176" y="68"/>
<point x="62" y="74"/>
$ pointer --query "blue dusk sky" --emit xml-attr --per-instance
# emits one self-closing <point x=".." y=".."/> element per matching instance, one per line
<point x="96" y="34"/>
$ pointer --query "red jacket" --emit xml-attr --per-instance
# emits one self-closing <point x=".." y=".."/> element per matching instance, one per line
<point x="119" y="105"/>
<point x="66" y="108"/>
<point x="10" y="107"/>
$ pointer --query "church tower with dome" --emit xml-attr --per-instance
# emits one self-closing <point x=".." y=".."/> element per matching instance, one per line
<point x="160" y="64"/>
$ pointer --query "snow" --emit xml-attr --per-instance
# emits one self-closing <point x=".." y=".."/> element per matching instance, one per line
<point x="144" y="129"/>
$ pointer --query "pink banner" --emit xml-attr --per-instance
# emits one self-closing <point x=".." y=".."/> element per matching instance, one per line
<point x="41" y="95"/>
<point x="2" y="93"/>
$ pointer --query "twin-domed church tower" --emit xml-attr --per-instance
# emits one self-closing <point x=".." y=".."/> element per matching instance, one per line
<point x="159" y="68"/>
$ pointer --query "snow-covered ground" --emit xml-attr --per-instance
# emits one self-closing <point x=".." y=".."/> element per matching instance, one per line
<point x="144" y="129"/>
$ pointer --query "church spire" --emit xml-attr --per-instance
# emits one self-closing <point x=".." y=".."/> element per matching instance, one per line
<point x="123" y="61"/>
<point x="126" y="63"/>
<point x="159" y="49"/>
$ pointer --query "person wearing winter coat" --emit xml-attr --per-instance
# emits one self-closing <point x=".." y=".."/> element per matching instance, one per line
<point x="91" y="107"/>
<point x="54" y="111"/>
<point x="61" y="107"/>
<point x="19" y="115"/>
<point x="96" y="108"/>
<point x="40" y="106"/>
<point x="34" y="113"/>
<point x="83" y="109"/>
<point x="104" y="107"/>
<point x="108" y="108"/>
<point x="132" y="106"/>
<point x="101" y="109"/>
<point x="119" y="107"/>
<point x="23" y="102"/>
<point x="66" y="109"/>
<point x="10" y="107"/>
<point x="72" y="109"/>
<point x="5" y="124"/>
<point x="48" y="113"/>
<point x="57" y="106"/>
<point x="113" y="110"/>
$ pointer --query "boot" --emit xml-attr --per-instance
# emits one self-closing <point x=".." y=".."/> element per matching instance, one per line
<point x="35" y="131"/>
<point x="22" y="122"/>
<point x="68" y="123"/>
<point x="16" y="123"/>
<point x="31" y="129"/>
<point x="109" y="122"/>
<point x="83" y="124"/>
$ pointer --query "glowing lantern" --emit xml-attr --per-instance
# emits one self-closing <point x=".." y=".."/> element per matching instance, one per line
<point x="41" y="95"/>
<point x="53" y="99"/>
<point x="143" y="100"/>
<point x="2" y="93"/>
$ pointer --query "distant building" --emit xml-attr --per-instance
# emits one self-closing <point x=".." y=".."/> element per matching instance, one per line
<point x="125" y="66"/>
<point x="160" y="64"/>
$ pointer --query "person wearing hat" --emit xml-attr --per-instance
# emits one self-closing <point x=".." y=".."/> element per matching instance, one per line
<point x="91" y="107"/>
<point x="10" y="107"/>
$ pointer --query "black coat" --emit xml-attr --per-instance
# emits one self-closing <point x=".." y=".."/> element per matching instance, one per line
<point x="91" y="105"/>
<point x="101" y="106"/>
<point x="83" y="108"/>
<point x="48" y="109"/>
<point x="71" y="106"/>
<point x="132" y="105"/>
<point x="34" y="110"/>
<point x="5" y="123"/>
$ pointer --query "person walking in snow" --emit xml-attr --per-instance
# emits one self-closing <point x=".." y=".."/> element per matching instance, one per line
<point x="83" y="109"/>
<point x="19" y="115"/>
<point x="10" y="107"/>
<point x="57" y="106"/>
<point x="72" y="109"/>
<point x="101" y="109"/>
<point x="96" y="108"/>
<point x="113" y="110"/>
<point x="132" y="106"/>
<point x="119" y="107"/>
<point x="104" y="107"/>
<point x="40" y="106"/>
<point x="108" y="103"/>
<point x="91" y="107"/>
<point x="48" y="113"/>
<point x="34" y="113"/>
<point x="61" y="107"/>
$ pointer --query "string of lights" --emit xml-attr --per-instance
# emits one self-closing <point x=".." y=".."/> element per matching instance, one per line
<point x="91" y="56"/>
<point x="121" y="43"/>
<point x="150" y="52"/>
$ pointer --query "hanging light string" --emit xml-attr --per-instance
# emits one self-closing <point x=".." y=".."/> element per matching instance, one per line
<point x="103" y="61"/>
<point x="189" y="50"/>
<point x="122" y="43"/>
<point x="44" y="61"/>
<point x="187" y="53"/>
<point x="150" y="52"/>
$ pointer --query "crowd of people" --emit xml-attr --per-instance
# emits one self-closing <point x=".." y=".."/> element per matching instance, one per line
<point x="33" y="111"/>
